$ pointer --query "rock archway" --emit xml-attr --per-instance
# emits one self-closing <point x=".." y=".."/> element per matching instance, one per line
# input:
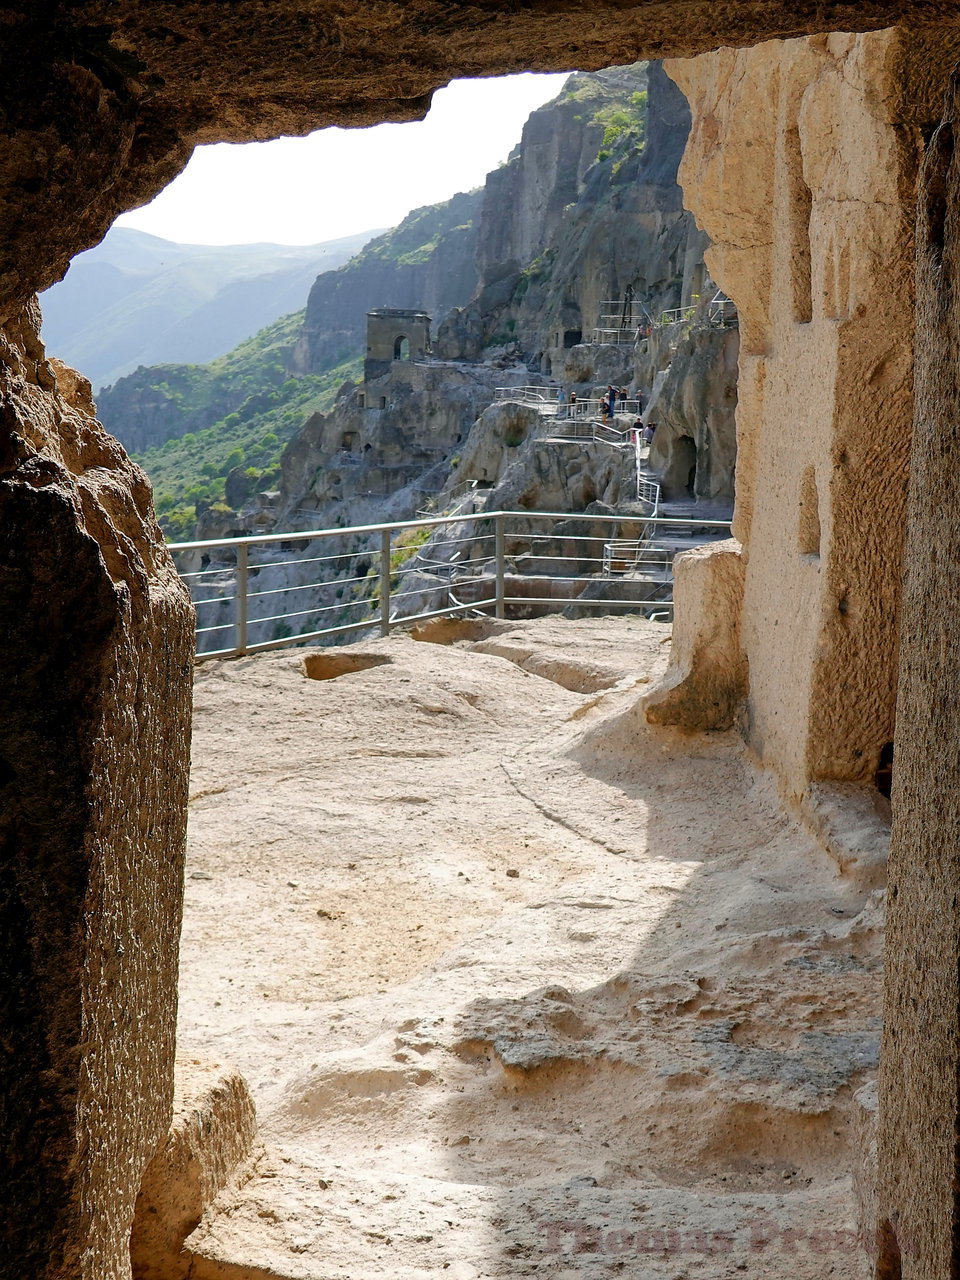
<point x="102" y="104"/>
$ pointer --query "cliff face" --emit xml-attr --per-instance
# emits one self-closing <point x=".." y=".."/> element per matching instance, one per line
<point x="583" y="218"/>
<point x="524" y="200"/>
<point x="397" y="433"/>
<point x="692" y="370"/>
<point x="427" y="261"/>
<point x="587" y="208"/>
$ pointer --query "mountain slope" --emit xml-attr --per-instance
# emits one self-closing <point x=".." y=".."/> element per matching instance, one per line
<point x="136" y="299"/>
<point x="227" y="421"/>
<point x="428" y="261"/>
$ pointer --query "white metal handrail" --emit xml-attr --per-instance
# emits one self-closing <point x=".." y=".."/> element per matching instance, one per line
<point x="614" y="336"/>
<point x="498" y="561"/>
<point x="676" y="315"/>
<point x="596" y="430"/>
<point x="534" y="396"/>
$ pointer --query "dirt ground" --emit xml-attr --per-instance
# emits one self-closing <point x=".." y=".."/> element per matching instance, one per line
<point x="521" y="987"/>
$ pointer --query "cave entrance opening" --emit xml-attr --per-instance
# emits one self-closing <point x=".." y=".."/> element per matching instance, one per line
<point x="679" y="479"/>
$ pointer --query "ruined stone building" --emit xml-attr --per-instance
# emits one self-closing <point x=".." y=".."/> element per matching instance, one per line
<point x="824" y="171"/>
<point x="394" y="334"/>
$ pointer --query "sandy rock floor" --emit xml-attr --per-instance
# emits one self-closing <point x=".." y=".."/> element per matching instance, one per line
<point x="521" y="987"/>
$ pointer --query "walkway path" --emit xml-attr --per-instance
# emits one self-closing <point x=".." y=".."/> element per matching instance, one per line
<point x="520" y="989"/>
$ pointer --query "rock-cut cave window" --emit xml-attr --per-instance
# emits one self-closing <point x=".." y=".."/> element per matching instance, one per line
<point x="808" y="533"/>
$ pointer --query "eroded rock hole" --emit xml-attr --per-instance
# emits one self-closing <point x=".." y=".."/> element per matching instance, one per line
<point x="808" y="534"/>
<point x="801" y="207"/>
<point x="939" y="159"/>
<point x="883" y="778"/>
<point x="327" y="666"/>
<point x="889" y="1265"/>
<point x="680" y="476"/>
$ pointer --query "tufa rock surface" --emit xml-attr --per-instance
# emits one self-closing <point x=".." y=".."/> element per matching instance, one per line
<point x="918" y="1220"/>
<point x="213" y="1132"/>
<point x="96" y="654"/>
<point x="811" y="237"/>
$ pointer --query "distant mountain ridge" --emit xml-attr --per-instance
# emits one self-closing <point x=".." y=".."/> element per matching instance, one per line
<point x="136" y="299"/>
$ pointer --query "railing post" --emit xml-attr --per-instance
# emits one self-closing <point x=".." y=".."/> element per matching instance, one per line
<point x="241" y="600"/>
<point x="498" y="555"/>
<point x="385" y="582"/>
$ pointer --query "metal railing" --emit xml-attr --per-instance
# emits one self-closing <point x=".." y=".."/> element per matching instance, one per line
<point x="596" y="429"/>
<point x="676" y="315"/>
<point x="440" y="501"/>
<point x="545" y="399"/>
<point x="722" y="310"/>
<point x="625" y="554"/>
<point x="267" y="591"/>
<point x="615" y="336"/>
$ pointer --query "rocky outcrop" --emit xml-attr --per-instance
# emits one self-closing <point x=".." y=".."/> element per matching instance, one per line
<point x="706" y="680"/>
<point x="692" y="371"/>
<point x="578" y="229"/>
<point x="213" y="1131"/>
<point x="96" y="662"/>
<point x="510" y="453"/>
<point x="381" y="437"/>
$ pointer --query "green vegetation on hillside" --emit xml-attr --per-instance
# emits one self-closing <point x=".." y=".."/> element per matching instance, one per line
<point x="626" y="124"/>
<point x="416" y="238"/>
<point x="192" y="469"/>
<point x="185" y="397"/>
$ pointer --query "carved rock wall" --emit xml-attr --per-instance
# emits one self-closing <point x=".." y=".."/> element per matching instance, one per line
<point x="801" y="167"/>
<point x="95" y="665"/>
<point x="919" y="1108"/>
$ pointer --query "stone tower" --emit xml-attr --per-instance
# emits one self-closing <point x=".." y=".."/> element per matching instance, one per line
<point x="394" y="334"/>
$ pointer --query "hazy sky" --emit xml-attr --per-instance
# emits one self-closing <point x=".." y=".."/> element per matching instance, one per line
<point x="339" y="181"/>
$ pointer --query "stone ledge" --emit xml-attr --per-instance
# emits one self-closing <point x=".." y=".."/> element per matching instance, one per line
<point x="213" y="1131"/>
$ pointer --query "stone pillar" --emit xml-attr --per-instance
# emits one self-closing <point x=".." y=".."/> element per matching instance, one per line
<point x="95" y="674"/>
<point x="919" y="1229"/>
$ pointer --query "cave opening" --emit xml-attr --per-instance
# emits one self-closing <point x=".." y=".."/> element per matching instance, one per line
<point x="686" y="484"/>
<point x="679" y="477"/>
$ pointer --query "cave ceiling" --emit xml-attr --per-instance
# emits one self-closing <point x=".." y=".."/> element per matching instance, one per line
<point x="103" y="101"/>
